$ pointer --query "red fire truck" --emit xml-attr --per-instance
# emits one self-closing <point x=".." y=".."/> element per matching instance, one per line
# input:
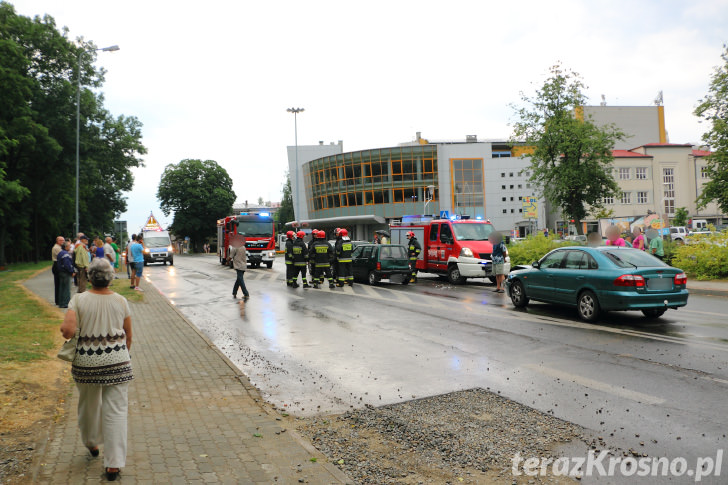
<point x="255" y="231"/>
<point x="456" y="247"/>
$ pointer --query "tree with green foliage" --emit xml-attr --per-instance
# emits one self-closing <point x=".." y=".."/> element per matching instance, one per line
<point x="198" y="193"/>
<point x="572" y="157"/>
<point x="285" y="211"/>
<point x="713" y="109"/>
<point x="681" y="217"/>
<point x="39" y="66"/>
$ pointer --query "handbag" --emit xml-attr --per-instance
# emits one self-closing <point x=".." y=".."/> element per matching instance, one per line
<point x="68" y="350"/>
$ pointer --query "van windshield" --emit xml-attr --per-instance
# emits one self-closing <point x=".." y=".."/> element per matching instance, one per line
<point x="156" y="241"/>
<point x="250" y="229"/>
<point x="471" y="231"/>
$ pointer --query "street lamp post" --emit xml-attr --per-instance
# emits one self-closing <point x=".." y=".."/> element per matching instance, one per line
<point x="78" y="118"/>
<point x="295" y="112"/>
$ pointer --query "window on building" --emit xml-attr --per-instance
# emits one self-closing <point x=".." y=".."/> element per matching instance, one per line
<point x="503" y="187"/>
<point x="511" y="199"/>
<point x="704" y="173"/>
<point x="668" y="190"/>
<point x="512" y="211"/>
<point x="608" y="200"/>
<point x="623" y="173"/>
<point x="625" y="198"/>
<point x="520" y="186"/>
<point x="641" y="197"/>
<point x="467" y="183"/>
<point x="511" y="186"/>
<point x="503" y="174"/>
<point x="640" y="173"/>
<point x="503" y="199"/>
<point x="520" y="211"/>
<point x="505" y="211"/>
<point x="510" y="174"/>
<point x="520" y="197"/>
<point x="528" y="186"/>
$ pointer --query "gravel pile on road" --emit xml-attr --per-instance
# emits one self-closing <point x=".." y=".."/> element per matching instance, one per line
<point x="462" y="437"/>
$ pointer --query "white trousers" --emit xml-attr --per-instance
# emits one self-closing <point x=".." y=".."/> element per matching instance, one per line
<point x="102" y="412"/>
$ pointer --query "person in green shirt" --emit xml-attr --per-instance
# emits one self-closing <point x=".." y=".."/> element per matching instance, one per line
<point x="118" y="255"/>
<point x="656" y="246"/>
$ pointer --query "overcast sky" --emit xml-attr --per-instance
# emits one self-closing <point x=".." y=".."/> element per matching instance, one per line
<point x="212" y="80"/>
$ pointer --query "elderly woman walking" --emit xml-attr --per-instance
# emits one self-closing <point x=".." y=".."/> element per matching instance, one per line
<point x="102" y="366"/>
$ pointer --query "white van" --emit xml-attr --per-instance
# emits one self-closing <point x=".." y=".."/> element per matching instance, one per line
<point x="158" y="247"/>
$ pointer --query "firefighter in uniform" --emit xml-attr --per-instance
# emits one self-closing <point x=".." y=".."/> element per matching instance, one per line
<point x="289" y="258"/>
<point x="343" y="252"/>
<point x="413" y="250"/>
<point x="320" y="253"/>
<point x="299" y="253"/>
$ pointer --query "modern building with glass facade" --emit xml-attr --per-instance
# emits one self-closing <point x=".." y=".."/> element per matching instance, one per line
<point x="378" y="186"/>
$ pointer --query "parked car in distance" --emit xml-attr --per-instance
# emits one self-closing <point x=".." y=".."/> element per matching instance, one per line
<point x="605" y="278"/>
<point x="375" y="262"/>
<point x="678" y="233"/>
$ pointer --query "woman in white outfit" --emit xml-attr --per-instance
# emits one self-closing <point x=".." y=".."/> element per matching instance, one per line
<point x="102" y="366"/>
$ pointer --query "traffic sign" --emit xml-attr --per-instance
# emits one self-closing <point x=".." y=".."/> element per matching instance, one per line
<point x="444" y="215"/>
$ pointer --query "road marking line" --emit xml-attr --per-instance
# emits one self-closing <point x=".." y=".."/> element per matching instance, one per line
<point x="715" y="379"/>
<point x="597" y="385"/>
<point x="371" y="292"/>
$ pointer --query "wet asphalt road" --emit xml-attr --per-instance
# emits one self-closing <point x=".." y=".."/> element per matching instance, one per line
<point x="658" y="387"/>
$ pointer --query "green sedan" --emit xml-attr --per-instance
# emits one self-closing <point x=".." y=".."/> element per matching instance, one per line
<point x="600" y="279"/>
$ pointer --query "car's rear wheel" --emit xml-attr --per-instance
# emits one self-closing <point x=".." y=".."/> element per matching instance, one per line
<point x="654" y="312"/>
<point x="518" y="294"/>
<point x="492" y="279"/>
<point x="405" y="279"/>
<point x="372" y="278"/>
<point x="454" y="276"/>
<point x="588" y="306"/>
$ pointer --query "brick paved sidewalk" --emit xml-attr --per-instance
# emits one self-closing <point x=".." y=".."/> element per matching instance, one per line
<point x="193" y="418"/>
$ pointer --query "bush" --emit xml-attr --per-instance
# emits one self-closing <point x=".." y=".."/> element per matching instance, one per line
<point x="705" y="258"/>
<point x="534" y="248"/>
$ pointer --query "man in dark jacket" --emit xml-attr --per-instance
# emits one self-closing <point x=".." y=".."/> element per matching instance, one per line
<point x="66" y="271"/>
<point x="289" y="258"/>
<point x="343" y="251"/>
<point x="320" y="253"/>
<point x="300" y="260"/>
<point x="413" y="250"/>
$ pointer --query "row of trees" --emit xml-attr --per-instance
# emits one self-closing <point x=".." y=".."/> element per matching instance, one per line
<point x="572" y="158"/>
<point x="39" y="66"/>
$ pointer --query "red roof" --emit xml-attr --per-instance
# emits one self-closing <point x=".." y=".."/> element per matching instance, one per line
<point x="628" y="154"/>
<point x="701" y="153"/>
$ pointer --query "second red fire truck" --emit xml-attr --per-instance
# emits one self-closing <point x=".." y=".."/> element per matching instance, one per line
<point x="255" y="231"/>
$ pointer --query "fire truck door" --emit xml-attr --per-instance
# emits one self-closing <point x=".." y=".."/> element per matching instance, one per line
<point x="446" y="243"/>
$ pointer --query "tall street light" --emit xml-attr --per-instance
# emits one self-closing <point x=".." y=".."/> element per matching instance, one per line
<point x="78" y="117"/>
<point x="295" y="112"/>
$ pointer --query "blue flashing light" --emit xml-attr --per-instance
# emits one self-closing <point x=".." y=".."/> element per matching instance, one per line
<point x="243" y="213"/>
<point x="264" y="214"/>
<point x="453" y="217"/>
<point x="478" y="218"/>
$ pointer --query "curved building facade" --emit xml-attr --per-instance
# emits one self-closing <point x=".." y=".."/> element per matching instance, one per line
<point x="387" y="182"/>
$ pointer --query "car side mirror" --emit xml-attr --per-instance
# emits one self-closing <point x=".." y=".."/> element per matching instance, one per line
<point x="536" y="264"/>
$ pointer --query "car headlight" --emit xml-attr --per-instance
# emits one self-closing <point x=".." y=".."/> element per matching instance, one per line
<point x="466" y="252"/>
<point x="170" y="248"/>
<point x="146" y="250"/>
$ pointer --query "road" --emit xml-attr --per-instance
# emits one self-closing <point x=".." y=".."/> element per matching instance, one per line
<point x="657" y="387"/>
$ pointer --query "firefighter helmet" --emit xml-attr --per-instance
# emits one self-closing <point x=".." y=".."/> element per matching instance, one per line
<point x="410" y="234"/>
<point x="320" y="234"/>
<point x="300" y="234"/>
<point x="343" y="233"/>
<point x="290" y="234"/>
<point x="337" y="231"/>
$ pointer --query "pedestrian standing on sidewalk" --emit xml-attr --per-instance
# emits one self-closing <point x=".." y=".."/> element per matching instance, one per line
<point x="65" y="274"/>
<point x="130" y="259"/>
<point x="57" y="248"/>
<point x="102" y="366"/>
<point x="117" y="254"/>
<point x="657" y="248"/>
<point x="137" y="252"/>
<point x="81" y="260"/>
<point x="240" y="264"/>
